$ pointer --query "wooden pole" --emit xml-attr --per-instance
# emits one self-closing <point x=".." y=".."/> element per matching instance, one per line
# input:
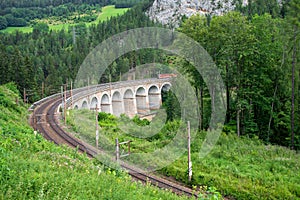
<point x="97" y="127"/>
<point x="189" y="152"/>
<point x="62" y="101"/>
<point x="34" y="120"/>
<point x="293" y="92"/>
<point x="71" y="93"/>
<point x="129" y="147"/>
<point x="62" y="96"/>
<point x="65" y="96"/>
<point x="24" y="95"/>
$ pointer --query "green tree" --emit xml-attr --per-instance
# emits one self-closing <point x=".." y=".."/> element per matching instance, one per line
<point x="3" y="23"/>
<point x="294" y="20"/>
<point x="172" y="106"/>
<point x="39" y="28"/>
<point x="251" y="58"/>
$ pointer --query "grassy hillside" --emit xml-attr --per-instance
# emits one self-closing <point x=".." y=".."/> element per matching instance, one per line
<point x="242" y="168"/>
<point x="33" y="168"/>
<point x="107" y="12"/>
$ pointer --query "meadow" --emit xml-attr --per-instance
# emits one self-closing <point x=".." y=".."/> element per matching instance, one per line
<point x="107" y="12"/>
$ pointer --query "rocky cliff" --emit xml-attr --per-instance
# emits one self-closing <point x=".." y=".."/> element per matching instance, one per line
<point x="170" y="12"/>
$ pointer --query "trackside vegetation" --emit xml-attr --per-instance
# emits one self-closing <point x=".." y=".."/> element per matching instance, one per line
<point x="33" y="168"/>
<point x="243" y="168"/>
<point x="237" y="167"/>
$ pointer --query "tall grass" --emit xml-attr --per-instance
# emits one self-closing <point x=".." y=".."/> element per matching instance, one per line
<point x="242" y="168"/>
<point x="33" y="168"/>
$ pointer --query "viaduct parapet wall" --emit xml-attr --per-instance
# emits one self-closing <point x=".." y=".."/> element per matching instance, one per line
<point x="136" y="97"/>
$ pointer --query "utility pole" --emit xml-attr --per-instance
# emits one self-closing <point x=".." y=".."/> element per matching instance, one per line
<point x="74" y="35"/>
<point x="62" y="98"/>
<point x="293" y="92"/>
<point x="189" y="152"/>
<point x="97" y="127"/>
<point x="117" y="149"/>
<point x="71" y="93"/>
<point x="34" y="120"/>
<point x="65" y="96"/>
<point x="24" y="95"/>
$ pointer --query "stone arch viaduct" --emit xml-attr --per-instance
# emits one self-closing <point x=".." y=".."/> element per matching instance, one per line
<point x="135" y="97"/>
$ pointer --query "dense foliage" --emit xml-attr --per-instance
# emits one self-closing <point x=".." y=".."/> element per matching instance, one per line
<point x="255" y="57"/>
<point x="5" y="4"/>
<point x="55" y="57"/>
<point x="26" y="13"/>
<point x="33" y="168"/>
<point x="17" y="14"/>
<point x="273" y="7"/>
<point x="126" y="3"/>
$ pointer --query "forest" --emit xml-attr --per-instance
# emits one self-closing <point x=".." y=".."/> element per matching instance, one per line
<point x="257" y="57"/>
<point x="24" y="13"/>
<point x="256" y="49"/>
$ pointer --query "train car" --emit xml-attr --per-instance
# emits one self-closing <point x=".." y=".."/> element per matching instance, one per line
<point x="161" y="76"/>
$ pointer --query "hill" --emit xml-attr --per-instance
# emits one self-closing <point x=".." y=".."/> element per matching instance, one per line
<point x="33" y="168"/>
<point x="237" y="167"/>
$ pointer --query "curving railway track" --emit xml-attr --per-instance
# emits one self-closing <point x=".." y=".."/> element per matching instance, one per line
<point x="45" y="120"/>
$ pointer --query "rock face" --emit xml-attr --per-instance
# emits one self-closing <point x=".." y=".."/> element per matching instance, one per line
<point x="170" y="12"/>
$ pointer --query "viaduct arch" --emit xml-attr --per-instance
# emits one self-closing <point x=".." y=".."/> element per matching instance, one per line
<point x="139" y="97"/>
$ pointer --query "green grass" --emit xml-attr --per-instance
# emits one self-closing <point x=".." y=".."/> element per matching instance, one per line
<point x="33" y="168"/>
<point x="242" y="168"/>
<point x="82" y="124"/>
<point x="110" y="11"/>
<point x="26" y="29"/>
<point x="107" y="12"/>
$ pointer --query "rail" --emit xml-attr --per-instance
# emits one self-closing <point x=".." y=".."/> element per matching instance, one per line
<point x="52" y="131"/>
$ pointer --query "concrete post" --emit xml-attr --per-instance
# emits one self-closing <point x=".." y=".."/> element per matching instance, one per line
<point x="117" y="150"/>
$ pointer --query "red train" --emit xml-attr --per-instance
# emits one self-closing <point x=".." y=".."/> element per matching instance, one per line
<point x="166" y="75"/>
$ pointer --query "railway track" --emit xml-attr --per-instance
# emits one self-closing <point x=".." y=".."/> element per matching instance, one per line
<point x="45" y="120"/>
